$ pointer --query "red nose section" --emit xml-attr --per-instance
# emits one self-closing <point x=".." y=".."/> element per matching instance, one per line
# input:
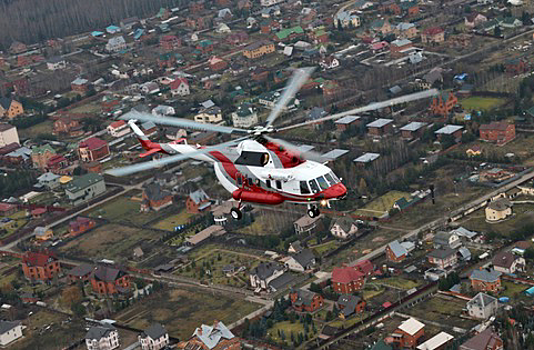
<point x="337" y="191"/>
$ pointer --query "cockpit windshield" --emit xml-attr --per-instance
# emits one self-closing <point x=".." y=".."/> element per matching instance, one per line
<point x="322" y="183"/>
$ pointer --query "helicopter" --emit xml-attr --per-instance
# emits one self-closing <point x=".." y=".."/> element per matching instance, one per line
<point x="257" y="168"/>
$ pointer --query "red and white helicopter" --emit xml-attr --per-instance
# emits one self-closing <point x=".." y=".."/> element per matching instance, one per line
<point x="257" y="168"/>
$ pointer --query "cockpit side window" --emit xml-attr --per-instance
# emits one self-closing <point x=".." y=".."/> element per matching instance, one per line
<point x="322" y="182"/>
<point x="314" y="187"/>
<point x="336" y="179"/>
<point x="330" y="179"/>
<point x="304" y="189"/>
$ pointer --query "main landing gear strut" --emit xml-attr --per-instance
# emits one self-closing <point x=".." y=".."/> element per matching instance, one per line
<point x="313" y="211"/>
<point x="236" y="213"/>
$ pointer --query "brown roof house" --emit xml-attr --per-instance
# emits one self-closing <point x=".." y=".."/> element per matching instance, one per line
<point x="507" y="262"/>
<point x="485" y="340"/>
<point x="155" y="198"/>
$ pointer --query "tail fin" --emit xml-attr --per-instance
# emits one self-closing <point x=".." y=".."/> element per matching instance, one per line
<point x="151" y="147"/>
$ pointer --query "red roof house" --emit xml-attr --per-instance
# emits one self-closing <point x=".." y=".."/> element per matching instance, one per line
<point x="347" y="279"/>
<point x="498" y="132"/>
<point x="93" y="149"/>
<point x="80" y="225"/>
<point x="366" y="267"/>
<point x="42" y="266"/>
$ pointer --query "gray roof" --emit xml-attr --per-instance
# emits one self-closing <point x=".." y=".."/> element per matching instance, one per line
<point x="349" y="303"/>
<point x="84" y="181"/>
<point x="155" y="331"/>
<point x="413" y="126"/>
<point x="485" y="275"/>
<point x="107" y="274"/>
<point x="5" y="102"/>
<point x="449" y="129"/>
<point x="99" y="332"/>
<point x="397" y="249"/>
<point x="281" y="281"/>
<point x="79" y="81"/>
<point x="49" y="176"/>
<point x="305" y="257"/>
<point x="81" y="270"/>
<point x="154" y="192"/>
<point x="441" y="253"/>
<point x="23" y="152"/>
<point x="8" y="325"/>
<point x="304" y="297"/>
<point x="316" y="113"/>
<point x="481" y="300"/>
<point x="465" y="253"/>
<point x="334" y="154"/>
<point x="212" y="335"/>
<point x="266" y="270"/>
<point x="462" y="232"/>
<point x="481" y="340"/>
<point x="401" y="42"/>
<point x="344" y="223"/>
<point x="347" y="120"/>
<point x="367" y="157"/>
<point x="442" y="238"/>
<point x="379" y="123"/>
<point x="198" y="196"/>
<point x="500" y="204"/>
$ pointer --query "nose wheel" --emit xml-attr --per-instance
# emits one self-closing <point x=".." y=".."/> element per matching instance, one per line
<point x="313" y="211"/>
<point x="236" y="213"/>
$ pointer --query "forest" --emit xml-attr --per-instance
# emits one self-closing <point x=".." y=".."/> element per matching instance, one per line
<point x="32" y="21"/>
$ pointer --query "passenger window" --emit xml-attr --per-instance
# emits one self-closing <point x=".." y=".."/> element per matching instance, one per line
<point x="279" y="184"/>
<point x="322" y="182"/>
<point x="304" y="189"/>
<point x="313" y="186"/>
<point x="268" y="183"/>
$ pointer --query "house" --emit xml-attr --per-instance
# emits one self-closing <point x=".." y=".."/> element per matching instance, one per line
<point x="381" y="26"/>
<point x="8" y="135"/>
<point x="217" y="64"/>
<point x="365" y="266"/>
<point x="305" y="224"/>
<point x="80" y="85"/>
<point x="498" y="132"/>
<point x="68" y="126"/>
<point x="211" y="115"/>
<point x="438" y="342"/>
<point x="301" y="261"/>
<point x="15" y="154"/>
<point x="216" y="337"/>
<point x="498" y="210"/>
<point x="93" y="149"/>
<point x="405" y="30"/>
<point x="509" y="263"/>
<point x="258" y="49"/>
<point x="395" y="252"/>
<point x="244" y="117"/>
<point x="413" y="130"/>
<point x="305" y="301"/>
<point x="482" y="306"/>
<point x="7" y="209"/>
<point x="447" y="240"/>
<point x="48" y="180"/>
<point x="211" y="231"/>
<point x="515" y="66"/>
<point x="116" y="44"/>
<point x="443" y="258"/>
<point x="350" y="304"/>
<point x="399" y="46"/>
<point x="329" y="62"/>
<point x="10" y="331"/>
<point x="100" y="337"/>
<point x="409" y="332"/>
<point x="474" y="20"/>
<point x="56" y="63"/>
<point x="485" y="340"/>
<point x="486" y="280"/>
<point x="155" y="198"/>
<point x="80" y="225"/>
<point x="347" y="280"/>
<point x="40" y="266"/>
<point x="163" y="110"/>
<point x="85" y="187"/>
<point x="118" y="128"/>
<point x="433" y="35"/>
<point x="347" y="122"/>
<point x="179" y="87"/>
<point x="510" y="23"/>
<point x="443" y="104"/>
<point x="347" y="20"/>
<point x="107" y="280"/>
<point x="381" y="345"/>
<point x="81" y="272"/>
<point x="264" y="273"/>
<point x="474" y="151"/>
<point x="128" y="23"/>
<point x="343" y="228"/>
<point x="380" y="127"/>
<point x="10" y="108"/>
<point x="154" y="337"/>
<point x="431" y="79"/>
<point x="366" y="158"/>
<point x="197" y="202"/>
<point x="455" y="131"/>
<point x="170" y="43"/>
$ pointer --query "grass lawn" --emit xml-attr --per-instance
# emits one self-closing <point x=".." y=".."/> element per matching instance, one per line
<point x="112" y="241"/>
<point x="181" y="311"/>
<point x="442" y="310"/>
<point x="339" y="323"/>
<point x="382" y="204"/>
<point x="522" y="214"/>
<point x="172" y="221"/>
<point x="288" y="328"/>
<point x="325" y="247"/>
<point x="399" y="282"/>
<point x="45" y="127"/>
<point x="481" y="103"/>
<point x="512" y="289"/>
<point x="370" y="291"/>
<point x="92" y="108"/>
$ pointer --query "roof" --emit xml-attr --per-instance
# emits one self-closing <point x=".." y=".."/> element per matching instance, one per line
<point x="411" y="326"/>
<point x="266" y="270"/>
<point x="502" y="126"/>
<point x="304" y="297"/>
<point x="433" y="31"/>
<point x="205" y="234"/>
<point x="397" y="249"/>
<point x="401" y="42"/>
<point x="79" y="81"/>
<point x="81" y="270"/>
<point x="344" y="223"/>
<point x="413" y="126"/>
<point x="282" y="281"/>
<point x="107" y="274"/>
<point x="481" y="300"/>
<point x="334" y="154"/>
<point x="99" y="332"/>
<point x="5" y="102"/>
<point x="485" y="275"/>
<point x="381" y="345"/>
<point x="6" y="326"/>
<point x="349" y="303"/>
<point x="449" y="129"/>
<point x="48" y="177"/>
<point x="93" y="143"/>
<point x="305" y="257"/>
<point x="43" y="149"/>
<point x="441" y="253"/>
<point x="367" y="157"/>
<point x="404" y="26"/>
<point x="482" y="341"/>
<point x="365" y="266"/>
<point x="463" y="232"/>
<point x="117" y="124"/>
<point x="155" y="331"/>
<point x="500" y="204"/>
<point x="257" y="44"/>
<point x="212" y="335"/>
<point x="504" y="259"/>
<point x="379" y="123"/>
<point x="347" y="120"/>
<point x="38" y="259"/>
<point x="436" y="342"/>
<point x="346" y="274"/>
<point x="84" y="181"/>
<point x="154" y="192"/>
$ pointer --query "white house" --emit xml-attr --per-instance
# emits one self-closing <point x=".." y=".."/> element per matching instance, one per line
<point x="482" y="306"/>
<point x="163" y="110"/>
<point x="209" y="115"/>
<point x="264" y="273"/>
<point x="302" y="261"/>
<point x="507" y="262"/>
<point x="102" y="337"/>
<point x="443" y="258"/>
<point x="343" y="228"/>
<point x="116" y="44"/>
<point x="118" y="128"/>
<point x="447" y="240"/>
<point x="267" y="3"/>
<point x="56" y="63"/>
<point x="347" y="19"/>
<point x="9" y="332"/>
<point x="244" y="117"/>
<point x="149" y="88"/>
<point x="329" y="62"/>
<point x="180" y="87"/>
<point x="154" y="338"/>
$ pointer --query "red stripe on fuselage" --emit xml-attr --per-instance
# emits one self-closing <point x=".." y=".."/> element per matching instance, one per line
<point x="227" y="164"/>
<point x="287" y="158"/>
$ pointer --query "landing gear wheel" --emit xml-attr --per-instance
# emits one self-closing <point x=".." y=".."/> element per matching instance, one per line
<point x="313" y="212"/>
<point x="236" y="213"/>
<point x="317" y="211"/>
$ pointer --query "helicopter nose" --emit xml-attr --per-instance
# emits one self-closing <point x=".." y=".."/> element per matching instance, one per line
<point x="337" y="191"/>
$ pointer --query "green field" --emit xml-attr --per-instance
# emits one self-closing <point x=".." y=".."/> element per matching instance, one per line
<point x="181" y="311"/>
<point x="45" y="127"/>
<point x="523" y="214"/>
<point x="172" y="221"/>
<point x="482" y="103"/>
<point x="382" y="204"/>
<point x="512" y="289"/>
<point x="288" y="328"/>
<point x="401" y="283"/>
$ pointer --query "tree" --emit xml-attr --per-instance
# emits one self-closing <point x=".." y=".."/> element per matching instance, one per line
<point x="497" y="32"/>
<point x="78" y="309"/>
<point x="71" y="295"/>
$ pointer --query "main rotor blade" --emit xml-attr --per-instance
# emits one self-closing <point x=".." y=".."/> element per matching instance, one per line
<point x="180" y="122"/>
<point x="299" y="78"/>
<point x="308" y="155"/>
<point x="370" y="107"/>
<point x="158" y="163"/>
